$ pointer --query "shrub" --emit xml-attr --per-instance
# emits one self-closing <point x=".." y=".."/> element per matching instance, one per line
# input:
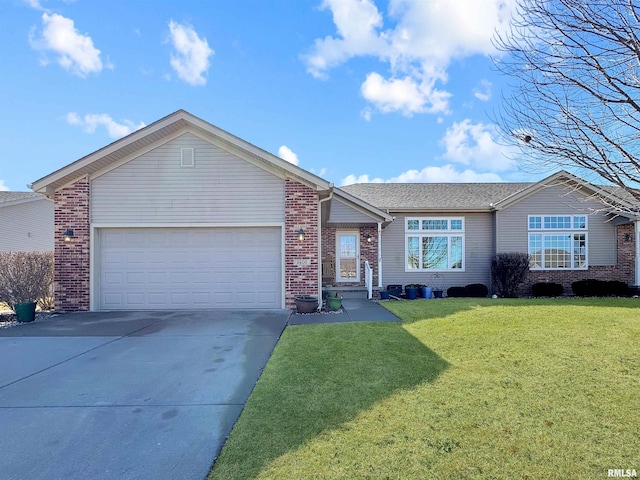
<point x="509" y="271"/>
<point x="26" y="277"/>
<point x="618" y="288"/>
<point x="477" y="290"/>
<point x="588" y="288"/>
<point x="599" y="288"/>
<point x="456" y="292"/>
<point x="547" y="289"/>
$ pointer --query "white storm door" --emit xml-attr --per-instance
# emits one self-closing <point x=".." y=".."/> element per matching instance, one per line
<point x="348" y="256"/>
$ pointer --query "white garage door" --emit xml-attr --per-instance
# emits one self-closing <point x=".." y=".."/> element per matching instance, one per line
<point x="189" y="268"/>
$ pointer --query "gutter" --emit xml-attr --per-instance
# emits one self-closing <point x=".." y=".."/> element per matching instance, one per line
<point x="331" y="187"/>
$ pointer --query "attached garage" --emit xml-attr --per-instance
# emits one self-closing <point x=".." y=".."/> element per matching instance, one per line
<point x="189" y="268"/>
<point x="182" y="215"/>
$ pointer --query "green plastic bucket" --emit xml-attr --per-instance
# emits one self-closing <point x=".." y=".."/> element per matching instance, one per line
<point x="25" y="312"/>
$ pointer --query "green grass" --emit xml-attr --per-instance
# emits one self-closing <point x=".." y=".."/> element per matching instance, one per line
<point x="463" y="388"/>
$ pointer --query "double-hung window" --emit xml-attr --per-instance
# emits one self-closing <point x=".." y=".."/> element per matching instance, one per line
<point x="558" y="242"/>
<point x="434" y="244"/>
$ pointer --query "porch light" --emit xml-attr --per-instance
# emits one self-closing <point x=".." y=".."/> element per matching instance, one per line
<point x="301" y="235"/>
<point x="369" y="238"/>
<point x="68" y="235"/>
<point x="628" y="237"/>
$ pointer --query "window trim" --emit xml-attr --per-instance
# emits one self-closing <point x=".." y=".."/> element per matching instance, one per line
<point x="421" y="219"/>
<point x="571" y="229"/>
<point x="542" y="231"/>
<point x="421" y="233"/>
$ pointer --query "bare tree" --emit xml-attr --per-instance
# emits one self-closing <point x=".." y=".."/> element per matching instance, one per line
<point x="575" y="102"/>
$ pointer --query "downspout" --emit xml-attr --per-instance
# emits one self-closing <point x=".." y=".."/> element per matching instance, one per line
<point x="379" y="255"/>
<point x="636" y="227"/>
<point x="320" y="242"/>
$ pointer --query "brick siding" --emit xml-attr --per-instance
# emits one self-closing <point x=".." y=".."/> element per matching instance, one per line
<point x="301" y="211"/>
<point x="72" y="258"/>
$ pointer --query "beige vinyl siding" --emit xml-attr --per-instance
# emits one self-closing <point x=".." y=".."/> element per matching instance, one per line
<point x="478" y="251"/>
<point x="343" y="213"/>
<point x="27" y="226"/>
<point x="512" y="222"/>
<point x="220" y="188"/>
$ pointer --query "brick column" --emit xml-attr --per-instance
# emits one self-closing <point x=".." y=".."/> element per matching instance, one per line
<point x="301" y="211"/>
<point x="72" y="258"/>
<point x="369" y="251"/>
<point x="626" y="245"/>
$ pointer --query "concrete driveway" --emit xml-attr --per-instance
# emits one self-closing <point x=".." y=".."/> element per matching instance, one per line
<point x="129" y="395"/>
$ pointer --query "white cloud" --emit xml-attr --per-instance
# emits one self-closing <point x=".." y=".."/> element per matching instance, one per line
<point x="443" y="174"/>
<point x="475" y="144"/>
<point x="403" y="95"/>
<point x="418" y="49"/>
<point x="356" y="22"/>
<point x="3" y="187"/>
<point x="34" y="4"/>
<point x="367" y="113"/>
<point x="351" y="179"/>
<point x="191" y="57"/>
<point x="285" y="153"/>
<point x="483" y="92"/>
<point x="90" y="122"/>
<point x="74" y="51"/>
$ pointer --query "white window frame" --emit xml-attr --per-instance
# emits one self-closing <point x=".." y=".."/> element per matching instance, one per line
<point x="421" y="233"/>
<point x="546" y="231"/>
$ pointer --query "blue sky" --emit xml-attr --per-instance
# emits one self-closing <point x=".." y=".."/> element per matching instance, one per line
<point x="352" y="90"/>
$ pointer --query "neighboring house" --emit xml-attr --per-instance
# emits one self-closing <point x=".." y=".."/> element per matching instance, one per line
<point x="26" y="221"/>
<point x="181" y="214"/>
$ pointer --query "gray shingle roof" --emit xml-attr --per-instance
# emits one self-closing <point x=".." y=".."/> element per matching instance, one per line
<point x="6" y="197"/>
<point x="434" y="196"/>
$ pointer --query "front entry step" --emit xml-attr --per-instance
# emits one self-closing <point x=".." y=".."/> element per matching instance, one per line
<point x="348" y="292"/>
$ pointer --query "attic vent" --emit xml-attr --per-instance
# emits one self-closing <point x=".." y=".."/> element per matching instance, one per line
<point x="187" y="157"/>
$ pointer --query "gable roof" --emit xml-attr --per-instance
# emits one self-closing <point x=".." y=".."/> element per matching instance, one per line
<point x="478" y="197"/>
<point x="13" y="198"/>
<point x="156" y="134"/>
<point x="434" y="196"/>
<point x="376" y="214"/>
<point x="612" y="197"/>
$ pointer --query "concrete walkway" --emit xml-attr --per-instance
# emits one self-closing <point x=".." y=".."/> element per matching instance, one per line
<point x="353" y="310"/>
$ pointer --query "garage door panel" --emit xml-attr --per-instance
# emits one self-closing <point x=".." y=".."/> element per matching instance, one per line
<point x="165" y="268"/>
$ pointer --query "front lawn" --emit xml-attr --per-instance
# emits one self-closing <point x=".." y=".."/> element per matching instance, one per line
<point x="463" y="388"/>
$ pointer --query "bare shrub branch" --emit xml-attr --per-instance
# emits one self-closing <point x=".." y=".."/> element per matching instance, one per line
<point x="26" y="277"/>
<point x="509" y="270"/>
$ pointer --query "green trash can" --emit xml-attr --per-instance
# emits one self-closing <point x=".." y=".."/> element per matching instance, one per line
<point x="25" y="312"/>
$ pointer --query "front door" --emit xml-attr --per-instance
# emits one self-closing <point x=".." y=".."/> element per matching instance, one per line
<point x="348" y="256"/>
